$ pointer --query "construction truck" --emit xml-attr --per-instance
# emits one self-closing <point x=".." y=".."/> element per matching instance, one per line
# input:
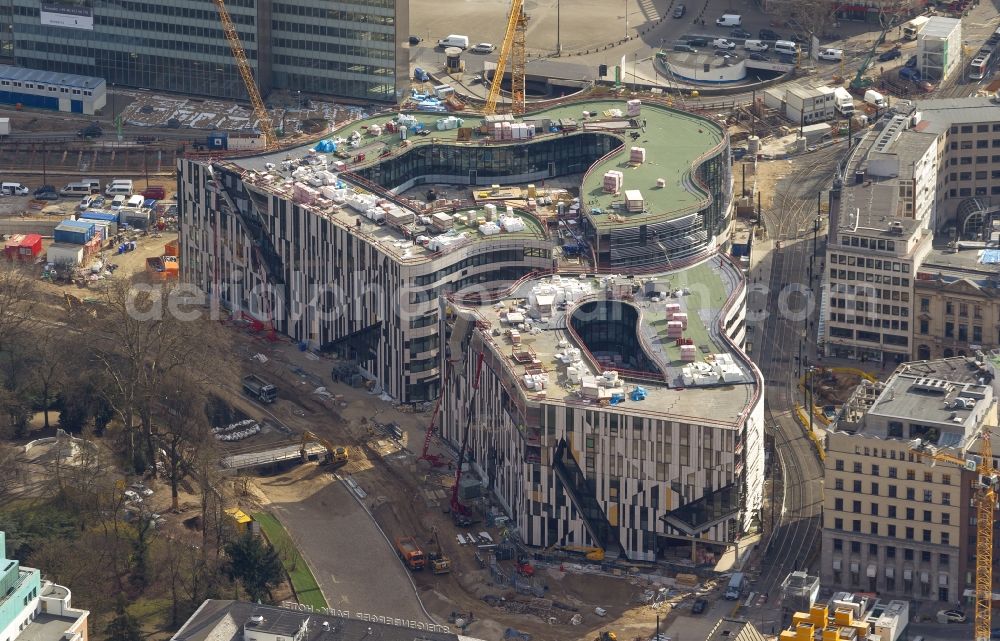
<point x="410" y="553"/>
<point x="335" y="454"/>
<point x="260" y="389"/>
<point x="440" y="564"/>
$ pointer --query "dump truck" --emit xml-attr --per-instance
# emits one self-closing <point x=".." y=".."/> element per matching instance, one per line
<point x="260" y="389"/>
<point x="410" y="552"/>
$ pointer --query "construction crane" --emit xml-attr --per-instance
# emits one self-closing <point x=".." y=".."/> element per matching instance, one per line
<point x="986" y="497"/>
<point x="434" y="459"/>
<point x="860" y="82"/>
<point x="335" y="454"/>
<point x="457" y="509"/>
<point x="240" y="55"/>
<point x="513" y="49"/>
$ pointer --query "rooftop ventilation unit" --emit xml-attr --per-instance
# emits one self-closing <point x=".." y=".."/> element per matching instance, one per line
<point x="933" y="385"/>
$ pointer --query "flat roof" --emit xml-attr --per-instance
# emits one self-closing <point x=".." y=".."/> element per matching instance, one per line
<point x="46" y="627"/>
<point x="8" y="72"/>
<point x="708" y="286"/>
<point x="941" y="113"/>
<point x="673" y="140"/>
<point x="940" y="27"/>
<point x="223" y="620"/>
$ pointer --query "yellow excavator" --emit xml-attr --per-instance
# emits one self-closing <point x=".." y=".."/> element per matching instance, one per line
<point x="589" y="553"/>
<point x="335" y="454"/>
<point x="440" y="564"/>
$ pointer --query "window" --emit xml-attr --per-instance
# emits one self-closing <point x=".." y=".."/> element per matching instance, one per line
<point x="945" y="498"/>
<point x="911" y="475"/>
<point x="838" y="524"/>
<point x="928" y="496"/>
<point x="874" y="527"/>
<point x="874" y="489"/>
<point x="927" y="516"/>
<point x="856" y="547"/>
<point x="945" y="538"/>
<point x="946" y="480"/>
<point x="908" y="553"/>
<point x="857" y="467"/>
<point x="838" y="545"/>
<point x="838" y="504"/>
<point x="856" y="507"/>
<point x="925" y="557"/>
<point x="926" y="536"/>
<point x="892" y="530"/>
<point x="944" y="560"/>
<point x="909" y="534"/>
<point x="892" y="511"/>
<point x="839" y="465"/>
<point x="928" y="477"/>
<point x="890" y="552"/>
<point x="857" y="487"/>
<point x="838" y="484"/>
<point x="892" y="472"/>
<point x="909" y="513"/>
<point x="874" y="509"/>
<point x="856" y="525"/>
<point x="909" y="494"/>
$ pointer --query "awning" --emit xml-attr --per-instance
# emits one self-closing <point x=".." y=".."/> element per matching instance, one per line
<point x="890" y="573"/>
<point x="942" y="580"/>
<point x="872" y="571"/>
<point x="925" y="577"/>
<point x="854" y="567"/>
<point x="907" y="574"/>
<point x="836" y="565"/>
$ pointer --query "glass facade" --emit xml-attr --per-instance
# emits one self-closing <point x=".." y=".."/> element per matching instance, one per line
<point x="491" y="164"/>
<point x="351" y="48"/>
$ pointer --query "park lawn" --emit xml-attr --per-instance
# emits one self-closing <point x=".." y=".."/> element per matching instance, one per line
<point x="303" y="582"/>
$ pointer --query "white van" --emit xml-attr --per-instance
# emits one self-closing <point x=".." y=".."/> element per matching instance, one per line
<point x="834" y="55"/>
<point x="135" y="201"/>
<point x="462" y="42"/>
<point x="123" y="187"/>
<point x="95" y="184"/>
<point x="118" y="202"/>
<point x="118" y="182"/>
<point x="755" y="45"/>
<point x="786" y="47"/>
<point x="729" y="20"/>
<point x="13" y="189"/>
<point x="75" y="189"/>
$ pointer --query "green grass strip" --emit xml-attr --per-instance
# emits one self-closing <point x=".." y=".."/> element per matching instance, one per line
<point x="303" y="581"/>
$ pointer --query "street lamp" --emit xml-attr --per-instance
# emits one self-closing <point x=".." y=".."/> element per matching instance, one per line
<point x="558" y="27"/>
<point x="626" y="19"/>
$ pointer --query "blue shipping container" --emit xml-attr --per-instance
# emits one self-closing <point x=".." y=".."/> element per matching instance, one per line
<point x="99" y="215"/>
<point x="74" y="232"/>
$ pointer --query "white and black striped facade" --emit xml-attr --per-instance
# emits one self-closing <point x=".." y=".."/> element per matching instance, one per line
<point x="633" y="465"/>
<point x="334" y="282"/>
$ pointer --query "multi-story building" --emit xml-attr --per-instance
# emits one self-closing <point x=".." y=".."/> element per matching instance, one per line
<point x="342" y="262"/>
<point x="929" y="170"/>
<point x="939" y="48"/>
<point x="894" y="522"/>
<point x="850" y="616"/>
<point x="956" y="304"/>
<point x="31" y="608"/>
<point x="809" y="104"/>
<point x="356" y="49"/>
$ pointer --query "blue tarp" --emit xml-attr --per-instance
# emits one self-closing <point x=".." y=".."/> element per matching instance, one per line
<point x="990" y="257"/>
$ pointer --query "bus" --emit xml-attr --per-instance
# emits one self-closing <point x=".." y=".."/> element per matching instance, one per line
<point x="979" y="66"/>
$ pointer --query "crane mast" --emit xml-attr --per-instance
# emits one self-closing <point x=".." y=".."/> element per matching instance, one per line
<point x="239" y="54"/>
<point x="512" y="50"/>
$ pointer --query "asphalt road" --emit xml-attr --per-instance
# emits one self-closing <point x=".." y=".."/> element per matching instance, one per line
<point x="353" y="564"/>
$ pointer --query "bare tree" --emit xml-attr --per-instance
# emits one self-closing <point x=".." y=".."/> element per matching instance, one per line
<point x="184" y="430"/>
<point x="54" y="357"/>
<point x="18" y="300"/>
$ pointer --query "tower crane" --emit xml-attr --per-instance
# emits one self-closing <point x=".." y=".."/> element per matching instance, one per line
<point x="240" y="55"/>
<point x="512" y="49"/>
<point x="985" y="500"/>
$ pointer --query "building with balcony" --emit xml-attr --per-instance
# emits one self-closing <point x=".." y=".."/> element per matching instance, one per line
<point x="357" y="49"/>
<point x="32" y="609"/>
<point x="895" y="522"/>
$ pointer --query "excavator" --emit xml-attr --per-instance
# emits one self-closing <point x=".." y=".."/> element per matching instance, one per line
<point x="589" y="553"/>
<point x="336" y="455"/>
<point x="440" y="564"/>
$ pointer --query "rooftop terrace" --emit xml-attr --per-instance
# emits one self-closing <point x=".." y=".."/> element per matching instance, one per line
<point x="674" y="141"/>
<point x="535" y="330"/>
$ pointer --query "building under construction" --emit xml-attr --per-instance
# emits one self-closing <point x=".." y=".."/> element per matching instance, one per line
<point x="180" y="46"/>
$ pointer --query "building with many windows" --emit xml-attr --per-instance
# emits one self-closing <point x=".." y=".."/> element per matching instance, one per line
<point x="895" y="522"/>
<point x="356" y="49"/>
<point x="618" y="412"/>
<point x="32" y="609"/>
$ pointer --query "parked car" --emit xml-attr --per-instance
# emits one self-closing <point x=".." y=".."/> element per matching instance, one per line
<point x="758" y="56"/>
<point x="483" y="47"/>
<point x="47" y="195"/>
<point x="951" y="616"/>
<point x="911" y="62"/>
<point x="415" y="40"/>
<point x="722" y="43"/>
<point x="699" y="606"/>
<point x="891" y="54"/>
<point x="43" y="189"/>
<point x="767" y="34"/>
<point x="93" y="130"/>
<point x="683" y="48"/>
<point x="698" y="42"/>
<point x="833" y="55"/>
<point x="679" y="11"/>
<point x="740" y="32"/>
<point x="909" y="73"/>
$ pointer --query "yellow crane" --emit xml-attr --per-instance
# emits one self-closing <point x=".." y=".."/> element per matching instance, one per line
<point x="986" y="497"/>
<point x="512" y="49"/>
<point x="259" y="111"/>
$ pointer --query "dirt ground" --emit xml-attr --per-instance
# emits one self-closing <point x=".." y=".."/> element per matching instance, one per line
<point x="409" y="499"/>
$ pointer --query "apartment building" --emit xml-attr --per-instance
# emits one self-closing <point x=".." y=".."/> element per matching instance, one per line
<point x="355" y="49"/>
<point x="32" y="609"/>
<point x="894" y="522"/>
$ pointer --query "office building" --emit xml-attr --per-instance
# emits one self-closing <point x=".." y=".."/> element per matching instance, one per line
<point x="939" y="48"/>
<point x="929" y="171"/>
<point x="223" y="620"/>
<point x="896" y="522"/>
<point x="345" y="261"/>
<point x="32" y="609"/>
<point x="356" y="49"/>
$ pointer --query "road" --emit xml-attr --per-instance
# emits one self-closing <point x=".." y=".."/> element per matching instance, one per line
<point x="780" y="325"/>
